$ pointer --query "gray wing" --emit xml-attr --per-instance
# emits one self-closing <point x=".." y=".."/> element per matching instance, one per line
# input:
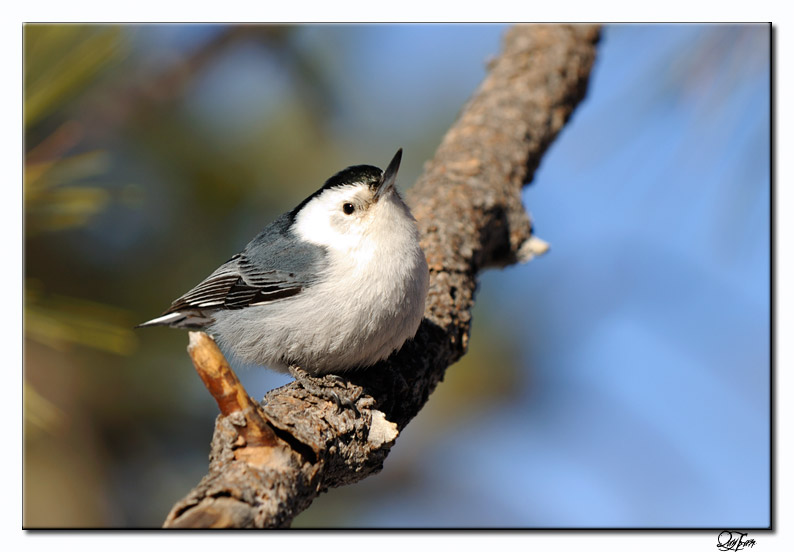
<point x="273" y="266"/>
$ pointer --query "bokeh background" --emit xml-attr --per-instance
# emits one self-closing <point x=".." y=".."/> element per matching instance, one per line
<point x="622" y="380"/>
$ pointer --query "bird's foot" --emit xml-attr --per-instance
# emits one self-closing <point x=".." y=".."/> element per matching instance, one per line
<point x="318" y="386"/>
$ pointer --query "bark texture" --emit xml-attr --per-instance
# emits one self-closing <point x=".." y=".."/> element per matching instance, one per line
<point x="470" y="215"/>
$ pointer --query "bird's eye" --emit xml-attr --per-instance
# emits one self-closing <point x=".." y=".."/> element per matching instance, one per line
<point x="348" y="208"/>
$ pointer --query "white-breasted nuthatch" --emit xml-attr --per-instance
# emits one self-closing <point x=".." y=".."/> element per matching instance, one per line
<point x="337" y="283"/>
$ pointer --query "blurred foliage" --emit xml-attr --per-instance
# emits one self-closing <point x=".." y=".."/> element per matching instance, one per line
<point x="59" y="321"/>
<point x="61" y="63"/>
<point x="53" y="201"/>
<point x="40" y="414"/>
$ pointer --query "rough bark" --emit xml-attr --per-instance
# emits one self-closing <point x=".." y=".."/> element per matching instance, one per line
<point x="469" y="211"/>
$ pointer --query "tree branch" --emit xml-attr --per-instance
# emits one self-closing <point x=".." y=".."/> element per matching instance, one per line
<point x="470" y="215"/>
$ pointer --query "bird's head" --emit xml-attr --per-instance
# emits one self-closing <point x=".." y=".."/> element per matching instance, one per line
<point x="357" y="208"/>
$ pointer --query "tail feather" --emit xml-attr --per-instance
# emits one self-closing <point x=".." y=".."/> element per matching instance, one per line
<point x="189" y="320"/>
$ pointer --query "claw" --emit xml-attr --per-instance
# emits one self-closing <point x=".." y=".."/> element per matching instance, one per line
<point x="309" y="383"/>
<point x="341" y="404"/>
<point x="338" y="379"/>
<point x="348" y="404"/>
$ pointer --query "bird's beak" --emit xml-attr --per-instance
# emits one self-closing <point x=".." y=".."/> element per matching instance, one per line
<point x="389" y="175"/>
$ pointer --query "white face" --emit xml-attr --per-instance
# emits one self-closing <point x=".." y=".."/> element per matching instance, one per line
<point x="340" y="218"/>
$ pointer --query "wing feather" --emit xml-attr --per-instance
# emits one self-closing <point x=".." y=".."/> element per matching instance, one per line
<point x="273" y="266"/>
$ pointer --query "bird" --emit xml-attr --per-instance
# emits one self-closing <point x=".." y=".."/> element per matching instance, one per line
<point x="336" y="284"/>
